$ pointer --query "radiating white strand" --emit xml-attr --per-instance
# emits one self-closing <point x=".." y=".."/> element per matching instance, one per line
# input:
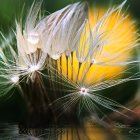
<point x="32" y="16"/>
<point x="30" y="47"/>
<point x="94" y="43"/>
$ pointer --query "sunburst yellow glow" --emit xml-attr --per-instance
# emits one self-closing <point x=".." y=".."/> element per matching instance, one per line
<point x="91" y="132"/>
<point x="119" y="31"/>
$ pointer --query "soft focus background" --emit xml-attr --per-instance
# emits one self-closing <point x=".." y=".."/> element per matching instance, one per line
<point x="13" y="108"/>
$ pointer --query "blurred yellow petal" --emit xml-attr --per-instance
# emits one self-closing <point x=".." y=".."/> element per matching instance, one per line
<point x="119" y="36"/>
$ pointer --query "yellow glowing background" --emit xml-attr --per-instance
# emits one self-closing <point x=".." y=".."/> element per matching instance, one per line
<point x="120" y="31"/>
<point x="91" y="132"/>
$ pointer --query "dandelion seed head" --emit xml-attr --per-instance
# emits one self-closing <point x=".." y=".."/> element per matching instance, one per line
<point x="30" y="43"/>
<point x="15" y="79"/>
<point x="63" y="30"/>
<point x="108" y="38"/>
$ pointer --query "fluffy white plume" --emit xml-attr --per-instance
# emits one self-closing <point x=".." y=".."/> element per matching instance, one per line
<point x="62" y="29"/>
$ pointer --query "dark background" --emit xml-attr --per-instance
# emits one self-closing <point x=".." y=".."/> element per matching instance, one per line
<point x="10" y="9"/>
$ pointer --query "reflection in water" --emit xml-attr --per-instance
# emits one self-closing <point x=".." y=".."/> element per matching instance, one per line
<point x="13" y="132"/>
